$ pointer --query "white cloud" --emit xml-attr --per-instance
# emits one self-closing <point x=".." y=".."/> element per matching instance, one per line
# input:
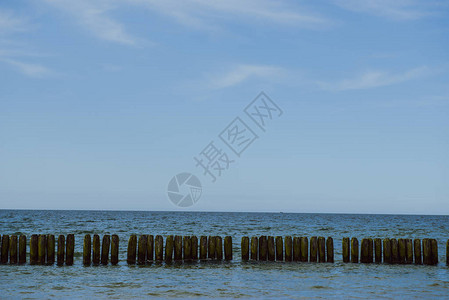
<point x="29" y="69"/>
<point x="10" y="23"/>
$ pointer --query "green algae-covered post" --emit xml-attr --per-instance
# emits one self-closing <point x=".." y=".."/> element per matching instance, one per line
<point x="408" y="251"/>
<point x="370" y="250"/>
<point x="254" y="245"/>
<point x="169" y="246"/>
<point x="194" y="253"/>
<point x="87" y="249"/>
<point x="61" y="249"/>
<point x="378" y="250"/>
<point x="158" y="248"/>
<point x="394" y="251"/>
<point x="211" y="247"/>
<point x="132" y="247"/>
<point x="402" y="252"/>
<point x="417" y="251"/>
<point x="321" y="249"/>
<point x="70" y="249"/>
<point x="96" y="250"/>
<point x="296" y="248"/>
<point x="345" y="249"/>
<point x="271" y="249"/>
<point x="203" y="247"/>
<point x="447" y="253"/>
<point x="245" y="248"/>
<point x="41" y="249"/>
<point x="263" y="248"/>
<point x="13" y="249"/>
<point x="114" y="249"/>
<point x="434" y="251"/>
<point x="387" y="251"/>
<point x="288" y="243"/>
<point x="5" y="249"/>
<point x="22" y="249"/>
<point x="304" y="255"/>
<point x="313" y="249"/>
<point x="228" y="248"/>
<point x="364" y="251"/>
<point x="34" y="249"/>
<point x="50" y="249"/>
<point x="141" y="250"/>
<point x="105" y="249"/>
<point x="178" y="248"/>
<point x="354" y="250"/>
<point x="279" y="249"/>
<point x="330" y="250"/>
<point x="150" y="247"/>
<point x="219" y="247"/>
<point x="187" y="249"/>
<point x="426" y="251"/>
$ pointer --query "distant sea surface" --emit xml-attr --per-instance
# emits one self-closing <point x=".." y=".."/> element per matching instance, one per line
<point x="225" y="279"/>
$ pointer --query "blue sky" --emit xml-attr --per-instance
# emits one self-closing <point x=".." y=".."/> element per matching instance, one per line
<point x="102" y="102"/>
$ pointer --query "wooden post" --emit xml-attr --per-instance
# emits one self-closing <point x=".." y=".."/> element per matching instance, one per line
<point x="245" y="248"/>
<point x="211" y="247"/>
<point x="288" y="243"/>
<point x="263" y="248"/>
<point x="417" y="251"/>
<point x="22" y="249"/>
<point x="194" y="253"/>
<point x="178" y="248"/>
<point x="13" y="249"/>
<point x="296" y="248"/>
<point x="279" y="249"/>
<point x="434" y="251"/>
<point x="345" y="249"/>
<point x="159" y="247"/>
<point x="96" y="250"/>
<point x="254" y="245"/>
<point x="447" y="253"/>
<point x="354" y="250"/>
<point x="219" y="247"/>
<point x="141" y="250"/>
<point x="114" y="249"/>
<point x="61" y="249"/>
<point x="50" y="249"/>
<point x="364" y="251"/>
<point x="187" y="249"/>
<point x="132" y="245"/>
<point x="313" y="249"/>
<point x="370" y="250"/>
<point x="150" y="247"/>
<point x="70" y="249"/>
<point x="105" y="249"/>
<point x="304" y="255"/>
<point x="321" y="249"/>
<point x="395" y="251"/>
<point x="426" y="251"/>
<point x="87" y="249"/>
<point x="378" y="250"/>
<point x="41" y="249"/>
<point x="387" y="251"/>
<point x="203" y="247"/>
<point x="402" y="252"/>
<point x="330" y="250"/>
<point x="169" y="246"/>
<point x="271" y="249"/>
<point x="408" y="251"/>
<point x="5" y="249"/>
<point x="228" y="247"/>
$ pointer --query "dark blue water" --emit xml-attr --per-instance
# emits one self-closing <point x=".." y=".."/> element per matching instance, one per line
<point x="225" y="279"/>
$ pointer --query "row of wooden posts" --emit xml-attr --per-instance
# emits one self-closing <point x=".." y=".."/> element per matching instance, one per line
<point x="147" y="248"/>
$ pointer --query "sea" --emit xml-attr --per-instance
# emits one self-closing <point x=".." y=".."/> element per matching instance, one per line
<point x="233" y="279"/>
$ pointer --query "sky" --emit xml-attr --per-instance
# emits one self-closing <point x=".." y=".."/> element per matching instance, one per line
<point x="102" y="103"/>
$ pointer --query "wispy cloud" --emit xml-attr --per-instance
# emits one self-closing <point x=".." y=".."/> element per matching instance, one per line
<point x="29" y="69"/>
<point x="374" y="79"/>
<point x="10" y="23"/>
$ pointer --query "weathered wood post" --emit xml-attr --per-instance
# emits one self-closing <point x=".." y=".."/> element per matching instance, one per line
<point x="408" y="251"/>
<point x="61" y="249"/>
<point x="114" y="249"/>
<point x="417" y="251"/>
<point x="178" y="248"/>
<point x="245" y="248"/>
<point x="288" y="248"/>
<point x="345" y="249"/>
<point x="271" y="249"/>
<point x="41" y="249"/>
<point x="296" y="248"/>
<point x="194" y="253"/>
<point x="105" y="249"/>
<point x="254" y="245"/>
<point x="394" y="251"/>
<point x="370" y="250"/>
<point x="141" y="250"/>
<point x="150" y="247"/>
<point x="426" y="251"/>
<point x="387" y="251"/>
<point x="5" y="249"/>
<point x="330" y="250"/>
<point x="279" y="249"/>
<point x="13" y="249"/>
<point x="313" y="249"/>
<point x="354" y="250"/>
<point x="321" y="249"/>
<point x="228" y="247"/>
<point x="304" y="255"/>
<point x="187" y="248"/>
<point x="132" y="249"/>
<point x="203" y="247"/>
<point x="402" y="251"/>
<point x="159" y="248"/>
<point x="34" y="250"/>
<point x="50" y="249"/>
<point x="211" y="247"/>
<point x="364" y="251"/>
<point x="447" y="253"/>
<point x="169" y="246"/>
<point x="219" y="247"/>
<point x="434" y="251"/>
<point x="263" y="247"/>
<point x="87" y="249"/>
<point x="96" y="253"/>
<point x="378" y="250"/>
<point x="22" y="249"/>
<point x="70" y="249"/>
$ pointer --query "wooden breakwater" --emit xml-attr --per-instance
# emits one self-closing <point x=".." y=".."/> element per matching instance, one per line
<point x="44" y="249"/>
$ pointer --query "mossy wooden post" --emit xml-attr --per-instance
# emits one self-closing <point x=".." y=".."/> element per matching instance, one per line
<point x="245" y="248"/>
<point x="211" y="247"/>
<point x="417" y="251"/>
<point x="13" y="249"/>
<point x="408" y="251"/>
<point x="279" y="249"/>
<point x="271" y="249"/>
<point x="345" y="249"/>
<point x="87" y="249"/>
<point x="169" y="246"/>
<point x="141" y="250"/>
<point x="354" y="250"/>
<point x="132" y="249"/>
<point x="61" y="250"/>
<point x="105" y="249"/>
<point x="187" y="249"/>
<point x="70" y="249"/>
<point x="330" y="250"/>
<point x="254" y="246"/>
<point x="114" y="249"/>
<point x="364" y="251"/>
<point x="447" y="253"/>
<point x="5" y="249"/>
<point x="370" y="250"/>
<point x="228" y="248"/>
<point x="378" y="251"/>
<point x="313" y="249"/>
<point x="50" y="249"/>
<point x="402" y="251"/>
<point x="394" y="251"/>
<point x="34" y="249"/>
<point x="321" y="249"/>
<point x="194" y="253"/>
<point x="178" y="248"/>
<point x="296" y="248"/>
<point x="159" y="248"/>
<point x="203" y="247"/>
<point x="22" y="249"/>
<point x="288" y="243"/>
<point x="96" y="250"/>
<point x="41" y="249"/>
<point x="387" y="251"/>
<point x="426" y="251"/>
<point x="150" y="247"/>
<point x="263" y="248"/>
<point x="219" y="247"/>
<point x="434" y="251"/>
<point x="304" y="255"/>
